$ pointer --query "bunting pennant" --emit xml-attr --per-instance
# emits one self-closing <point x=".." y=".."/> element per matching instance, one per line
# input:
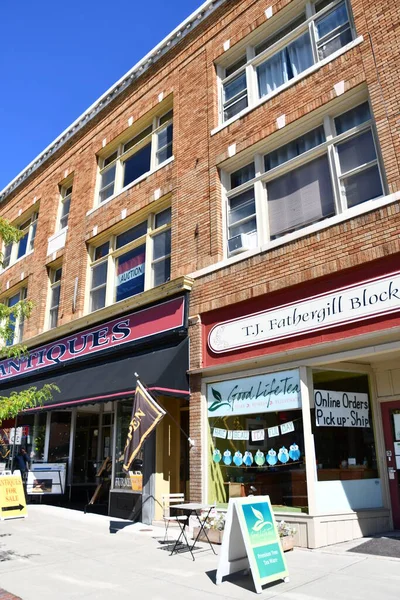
<point x="146" y="414"/>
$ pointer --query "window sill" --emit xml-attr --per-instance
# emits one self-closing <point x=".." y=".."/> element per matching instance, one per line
<point x="17" y="261"/>
<point x="289" y="84"/>
<point x="130" y="185"/>
<point x="352" y="213"/>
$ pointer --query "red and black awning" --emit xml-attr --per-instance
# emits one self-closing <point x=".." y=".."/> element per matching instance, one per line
<point x="163" y="371"/>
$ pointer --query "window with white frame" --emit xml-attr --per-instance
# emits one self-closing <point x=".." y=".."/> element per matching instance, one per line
<point x="16" y="323"/>
<point x="66" y="195"/>
<point x="136" y="157"/>
<point x="265" y="67"/>
<point x="13" y="251"/>
<point x="55" y="290"/>
<point x="132" y="261"/>
<point x="324" y="172"/>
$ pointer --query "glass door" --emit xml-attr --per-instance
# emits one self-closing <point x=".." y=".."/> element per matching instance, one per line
<point x="391" y="429"/>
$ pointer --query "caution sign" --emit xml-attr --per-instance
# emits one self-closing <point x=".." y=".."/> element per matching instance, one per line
<point x="12" y="497"/>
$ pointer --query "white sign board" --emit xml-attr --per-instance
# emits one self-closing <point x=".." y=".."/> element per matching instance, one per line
<point x="249" y="395"/>
<point x="396" y="422"/>
<point x="341" y="409"/>
<point x="251" y="541"/>
<point x="345" y="305"/>
<point x="46" y="478"/>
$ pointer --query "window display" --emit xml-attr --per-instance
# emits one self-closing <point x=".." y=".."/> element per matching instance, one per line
<point x="343" y="427"/>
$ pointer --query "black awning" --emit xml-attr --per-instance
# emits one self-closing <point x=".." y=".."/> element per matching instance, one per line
<point x="163" y="371"/>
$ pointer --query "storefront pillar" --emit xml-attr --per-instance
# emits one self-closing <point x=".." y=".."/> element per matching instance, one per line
<point x="306" y="387"/>
<point x="71" y="449"/>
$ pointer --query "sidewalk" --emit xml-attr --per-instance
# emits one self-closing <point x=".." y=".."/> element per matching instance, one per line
<point x="62" y="554"/>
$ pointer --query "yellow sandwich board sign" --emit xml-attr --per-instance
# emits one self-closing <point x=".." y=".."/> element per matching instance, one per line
<point x="12" y="497"/>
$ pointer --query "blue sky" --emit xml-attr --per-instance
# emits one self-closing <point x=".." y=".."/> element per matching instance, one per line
<point x="56" y="58"/>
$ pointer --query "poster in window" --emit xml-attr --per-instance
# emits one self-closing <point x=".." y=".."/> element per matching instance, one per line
<point x="130" y="273"/>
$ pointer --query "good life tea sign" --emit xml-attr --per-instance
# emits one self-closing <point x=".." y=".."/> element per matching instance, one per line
<point x="341" y="409"/>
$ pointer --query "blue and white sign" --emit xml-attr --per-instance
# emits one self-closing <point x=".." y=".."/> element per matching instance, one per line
<point x="249" y="395"/>
<point x="130" y="273"/>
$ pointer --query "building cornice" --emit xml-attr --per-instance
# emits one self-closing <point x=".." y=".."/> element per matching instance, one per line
<point x="171" y="40"/>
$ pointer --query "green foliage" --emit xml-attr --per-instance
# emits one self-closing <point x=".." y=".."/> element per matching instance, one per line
<point x="17" y="402"/>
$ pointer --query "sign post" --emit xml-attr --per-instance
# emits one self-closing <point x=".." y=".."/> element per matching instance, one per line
<point x="251" y="541"/>
<point x="12" y="497"/>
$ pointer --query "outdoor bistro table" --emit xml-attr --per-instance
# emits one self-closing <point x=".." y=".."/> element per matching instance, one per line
<point x="193" y="508"/>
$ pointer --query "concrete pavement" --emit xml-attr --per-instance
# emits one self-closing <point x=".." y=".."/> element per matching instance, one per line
<point x="61" y="554"/>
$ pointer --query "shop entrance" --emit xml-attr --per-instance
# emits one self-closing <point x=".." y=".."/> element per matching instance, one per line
<point x="391" y="429"/>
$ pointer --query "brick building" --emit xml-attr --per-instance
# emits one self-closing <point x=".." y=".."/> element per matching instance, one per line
<point x="238" y="187"/>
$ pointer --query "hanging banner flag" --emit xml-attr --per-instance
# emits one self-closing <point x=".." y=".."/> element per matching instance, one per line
<point x="219" y="433"/>
<point x="273" y="431"/>
<point x="287" y="427"/>
<point x="130" y="273"/>
<point x="146" y="414"/>
<point x="257" y="435"/>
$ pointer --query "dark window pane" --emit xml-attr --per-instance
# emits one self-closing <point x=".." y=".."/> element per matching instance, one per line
<point x="101" y="251"/>
<point x="280" y="34"/>
<point x="23" y="242"/>
<point x="110" y="158"/>
<point x="329" y="22"/>
<point x="239" y="63"/>
<point x="138" y="138"/>
<point x="98" y="299"/>
<point x="362" y="186"/>
<point x="241" y="207"/>
<point x="234" y="87"/>
<point x="162" y="271"/>
<point x="57" y="275"/>
<point x="302" y="144"/>
<point x="163" y="218"/>
<point x="352" y="118"/>
<point x="130" y="273"/>
<point x="55" y="296"/>
<point x="234" y="109"/>
<point x="242" y="175"/>
<point x="162" y="244"/>
<point x="335" y="43"/>
<point x="137" y="165"/>
<point x="134" y="233"/>
<point x="246" y="227"/>
<point x="99" y="274"/>
<point x="357" y="151"/>
<point x="166" y="117"/>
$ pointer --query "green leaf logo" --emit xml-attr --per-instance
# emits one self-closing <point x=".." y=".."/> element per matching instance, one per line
<point x="260" y="523"/>
<point x="215" y="405"/>
<point x="216" y="395"/>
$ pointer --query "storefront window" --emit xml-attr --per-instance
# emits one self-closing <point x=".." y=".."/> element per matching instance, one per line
<point x="29" y="434"/>
<point x="256" y="440"/>
<point x="60" y="429"/>
<point x="122" y="480"/>
<point x="342" y="427"/>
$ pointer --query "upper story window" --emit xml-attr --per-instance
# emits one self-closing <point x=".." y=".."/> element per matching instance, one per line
<point x="66" y="195"/>
<point x="324" y="172"/>
<point x="131" y="261"/>
<point x="55" y="290"/>
<point x="12" y="252"/>
<point x="135" y="158"/>
<point x="266" y="67"/>
<point x="16" y="323"/>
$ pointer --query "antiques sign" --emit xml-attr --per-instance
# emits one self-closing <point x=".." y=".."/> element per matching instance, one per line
<point x="130" y="328"/>
<point x="341" y="409"/>
<point x="363" y="301"/>
<point x="259" y="394"/>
